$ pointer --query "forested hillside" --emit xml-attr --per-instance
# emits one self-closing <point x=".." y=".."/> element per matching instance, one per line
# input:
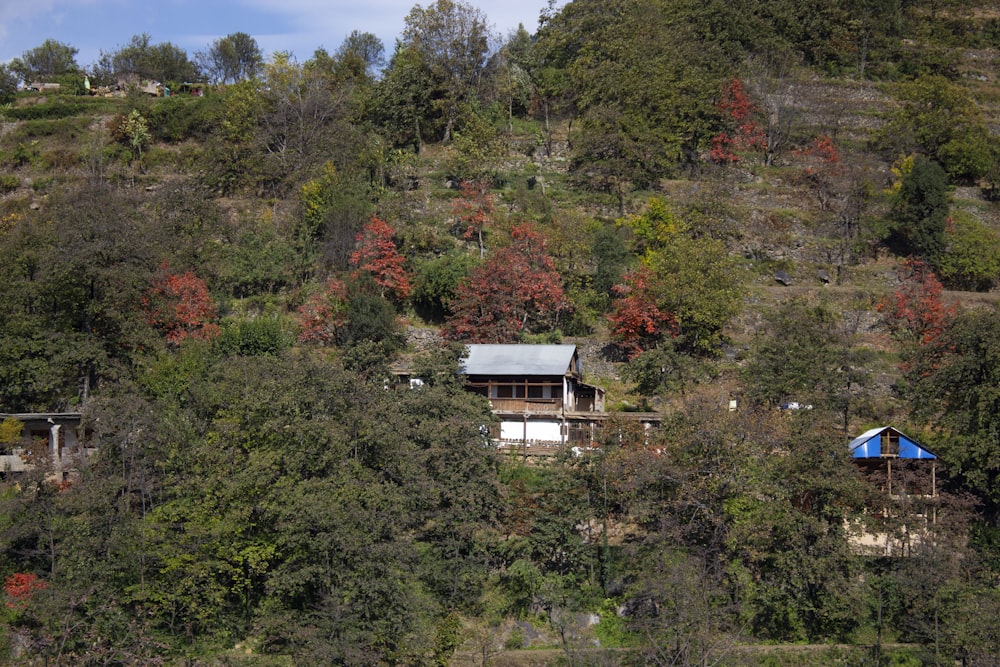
<point x="773" y="223"/>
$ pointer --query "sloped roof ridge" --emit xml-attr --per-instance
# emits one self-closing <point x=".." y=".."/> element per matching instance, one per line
<point x="866" y="436"/>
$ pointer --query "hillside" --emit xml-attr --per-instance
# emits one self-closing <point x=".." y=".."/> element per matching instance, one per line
<point x="790" y="206"/>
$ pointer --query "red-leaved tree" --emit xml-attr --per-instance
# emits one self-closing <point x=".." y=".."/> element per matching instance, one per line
<point x="179" y="305"/>
<point x="474" y="210"/>
<point x="378" y="255"/>
<point x="323" y="314"/>
<point x="637" y="322"/>
<point x="19" y="588"/>
<point x="915" y="311"/>
<point x="747" y="133"/>
<point x="517" y="289"/>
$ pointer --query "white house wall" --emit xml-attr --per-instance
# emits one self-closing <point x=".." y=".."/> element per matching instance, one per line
<point x="534" y="430"/>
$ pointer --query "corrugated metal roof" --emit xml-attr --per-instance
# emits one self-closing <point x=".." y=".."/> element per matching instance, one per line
<point x="866" y="436"/>
<point x="869" y="445"/>
<point x="518" y="359"/>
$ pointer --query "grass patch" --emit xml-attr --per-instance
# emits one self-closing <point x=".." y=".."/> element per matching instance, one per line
<point x="66" y="129"/>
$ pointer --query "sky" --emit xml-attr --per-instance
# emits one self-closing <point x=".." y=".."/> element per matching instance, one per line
<point x="298" y="26"/>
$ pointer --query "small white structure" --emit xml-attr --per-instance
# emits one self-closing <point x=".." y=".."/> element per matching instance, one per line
<point x="51" y="436"/>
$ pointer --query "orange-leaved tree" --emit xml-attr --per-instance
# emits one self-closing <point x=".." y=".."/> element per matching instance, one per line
<point x="517" y="289"/>
<point x="179" y="305"/>
<point x="323" y="314"/>
<point x="474" y="210"/>
<point x="378" y="255"/>
<point x="637" y="322"/>
<point x="915" y="311"/>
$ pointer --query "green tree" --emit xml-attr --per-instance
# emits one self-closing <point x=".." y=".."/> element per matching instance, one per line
<point x="45" y="62"/>
<point x="611" y="256"/>
<point x="370" y="319"/>
<point x="797" y="507"/>
<point x="140" y="60"/>
<point x="73" y="287"/>
<point x="643" y="89"/>
<point x="402" y="102"/>
<point x="436" y="283"/>
<point x="952" y="384"/>
<point x="807" y="355"/>
<point x="234" y="159"/>
<point x="662" y="369"/>
<point x="943" y="121"/>
<point x="8" y="84"/>
<point x="920" y="211"/>
<point x="366" y="49"/>
<point x="451" y="40"/>
<point x="692" y="278"/>
<point x="231" y="59"/>
<point x="510" y="75"/>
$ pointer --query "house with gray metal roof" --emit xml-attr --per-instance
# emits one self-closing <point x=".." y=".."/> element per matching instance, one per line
<point x="537" y="391"/>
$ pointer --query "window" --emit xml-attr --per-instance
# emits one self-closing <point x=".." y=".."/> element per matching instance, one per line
<point x="508" y="391"/>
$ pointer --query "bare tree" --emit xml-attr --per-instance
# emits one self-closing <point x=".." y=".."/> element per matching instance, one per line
<point x="768" y="79"/>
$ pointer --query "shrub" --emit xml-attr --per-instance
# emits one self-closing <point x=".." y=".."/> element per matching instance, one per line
<point x="9" y="183"/>
<point x="53" y="109"/>
<point x="254" y="338"/>
<point x="972" y="256"/>
<point x="175" y="119"/>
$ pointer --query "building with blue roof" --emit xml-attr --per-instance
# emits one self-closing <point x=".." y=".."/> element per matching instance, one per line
<point x="906" y="472"/>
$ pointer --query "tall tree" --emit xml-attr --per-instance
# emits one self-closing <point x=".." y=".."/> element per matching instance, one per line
<point x="808" y="355"/>
<point x="920" y="211"/>
<point x="452" y="39"/>
<point x="306" y="121"/>
<point x="235" y="57"/>
<point x="8" y="84"/>
<point x="692" y="278"/>
<point x="642" y="87"/>
<point x="402" y="105"/>
<point x="365" y="49"/>
<point x="953" y="385"/>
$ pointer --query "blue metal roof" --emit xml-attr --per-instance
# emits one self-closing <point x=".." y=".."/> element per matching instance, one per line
<point x="868" y="445"/>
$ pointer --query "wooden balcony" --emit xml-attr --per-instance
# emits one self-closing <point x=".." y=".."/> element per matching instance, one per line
<point x="527" y="405"/>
